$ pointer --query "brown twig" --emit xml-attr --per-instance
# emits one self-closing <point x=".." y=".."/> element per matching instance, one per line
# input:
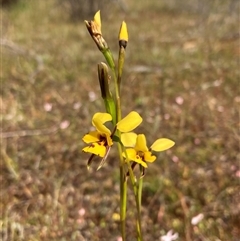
<point x="188" y="232"/>
<point x="23" y="133"/>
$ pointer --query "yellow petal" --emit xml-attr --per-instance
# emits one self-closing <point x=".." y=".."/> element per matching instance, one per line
<point x="99" y="119"/>
<point x="123" y="34"/>
<point x="149" y="157"/>
<point x="162" y="144"/>
<point x="141" y="162"/>
<point x="129" y="139"/>
<point x="141" y="144"/>
<point x="130" y="122"/>
<point x="131" y="154"/>
<point x="96" y="149"/>
<point x="92" y="136"/>
<point x="97" y="19"/>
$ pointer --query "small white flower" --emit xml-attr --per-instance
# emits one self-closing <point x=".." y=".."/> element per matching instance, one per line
<point x="175" y="159"/>
<point x="179" y="100"/>
<point x="64" y="124"/>
<point x="77" y="105"/>
<point x="170" y="236"/>
<point x="48" y="107"/>
<point x="197" y="219"/>
<point x="92" y="96"/>
<point x="237" y="174"/>
<point x="81" y="212"/>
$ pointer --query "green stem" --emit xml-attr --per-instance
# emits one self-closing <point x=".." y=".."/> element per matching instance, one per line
<point x="137" y="189"/>
<point x="123" y="195"/>
<point x="117" y="94"/>
<point x="139" y="204"/>
<point x="120" y="65"/>
<point x="123" y="182"/>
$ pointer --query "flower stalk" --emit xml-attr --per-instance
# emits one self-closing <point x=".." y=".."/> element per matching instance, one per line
<point x="132" y="148"/>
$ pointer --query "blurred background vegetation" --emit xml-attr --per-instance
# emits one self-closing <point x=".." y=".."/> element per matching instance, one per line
<point x="181" y="75"/>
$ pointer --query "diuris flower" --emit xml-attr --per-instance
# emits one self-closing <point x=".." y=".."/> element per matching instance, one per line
<point x="100" y="140"/>
<point x="139" y="152"/>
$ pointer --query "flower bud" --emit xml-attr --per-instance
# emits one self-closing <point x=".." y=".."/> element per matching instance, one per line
<point x="105" y="90"/>
<point x="94" y="28"/>
<point x="123" y="35"/>
<point x="104" y="80"/>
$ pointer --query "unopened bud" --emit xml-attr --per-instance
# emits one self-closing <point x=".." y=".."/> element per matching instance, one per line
<point x="94" y="28"/>
<point x="104" y="80"/>
<point x="103" y="77"/>
<point x="123" y="35"/>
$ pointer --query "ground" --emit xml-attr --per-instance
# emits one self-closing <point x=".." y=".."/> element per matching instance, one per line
<point x="181" y="74"/>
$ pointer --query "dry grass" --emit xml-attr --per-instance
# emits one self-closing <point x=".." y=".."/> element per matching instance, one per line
<point x="182" y="76"/>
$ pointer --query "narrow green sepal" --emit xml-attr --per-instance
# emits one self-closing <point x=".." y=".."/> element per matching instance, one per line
<point x="142" y="171"/>
<point x="104" y="158"/>
<point x="132" y="167"/>
<point x="90" y="161"/>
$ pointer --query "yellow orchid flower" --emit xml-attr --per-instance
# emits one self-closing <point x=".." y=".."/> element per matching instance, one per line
<point x="139" y="152"/>
<point x="100" y="140"/>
